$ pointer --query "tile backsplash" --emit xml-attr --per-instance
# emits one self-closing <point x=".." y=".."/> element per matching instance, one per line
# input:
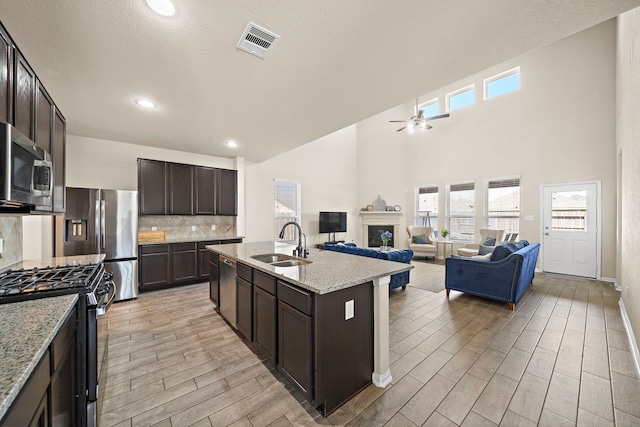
<point x="11" y="233"/>
<point x="176" y="226"/>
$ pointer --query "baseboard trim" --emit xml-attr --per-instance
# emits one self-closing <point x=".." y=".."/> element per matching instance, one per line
<point x="631" y="336"/>
<point x="381" y="380"/>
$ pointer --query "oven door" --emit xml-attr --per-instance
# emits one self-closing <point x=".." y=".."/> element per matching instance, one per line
<point x="97" y="352"/>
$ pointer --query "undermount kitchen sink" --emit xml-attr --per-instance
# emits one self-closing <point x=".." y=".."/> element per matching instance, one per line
<point x="280" y="260"/>
<point x="290" y="263"/>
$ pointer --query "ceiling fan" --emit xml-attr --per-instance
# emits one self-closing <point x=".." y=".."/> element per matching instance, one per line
<point x="417" y="121"/>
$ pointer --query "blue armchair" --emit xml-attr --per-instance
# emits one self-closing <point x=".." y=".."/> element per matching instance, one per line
<point x="505" y="277"/>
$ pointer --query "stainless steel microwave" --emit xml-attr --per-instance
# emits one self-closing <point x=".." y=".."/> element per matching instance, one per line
<point x="26" y="173"/>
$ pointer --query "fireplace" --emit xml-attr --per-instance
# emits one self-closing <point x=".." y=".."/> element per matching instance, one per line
<point x="375" y="231"/>
<point x="377" y="222"/>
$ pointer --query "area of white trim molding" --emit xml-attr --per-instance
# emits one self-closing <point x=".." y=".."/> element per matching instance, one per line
<point x="631" y="336"/>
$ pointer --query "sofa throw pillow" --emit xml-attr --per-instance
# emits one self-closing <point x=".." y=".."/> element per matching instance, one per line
<point x="504" y="250"/>
<point x="485" y="249"/>
<point x="420" y="239"/>
<point x="489" y="241"/>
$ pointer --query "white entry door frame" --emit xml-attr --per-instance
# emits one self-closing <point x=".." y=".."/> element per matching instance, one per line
<point x="570" y="228"/>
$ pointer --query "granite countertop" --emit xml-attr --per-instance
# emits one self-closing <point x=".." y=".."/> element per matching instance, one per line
<point x="328" y="271"/>
<point x="188" y="239"/>
<point x="29" y="327"/>
<point x="28" y="264"/>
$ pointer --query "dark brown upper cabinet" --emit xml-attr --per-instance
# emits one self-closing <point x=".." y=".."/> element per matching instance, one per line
<point x="24" y="88"/>
<point x="44" y="118"/>
<point x="180" y="189"/>
<point x="167" y="188"/>
<point x="227" y="192"/>
<point x="6" y="77"/>
<point x="205" y="191"/>
<point x="58" y="153"/>
<point x="152" y="187"/>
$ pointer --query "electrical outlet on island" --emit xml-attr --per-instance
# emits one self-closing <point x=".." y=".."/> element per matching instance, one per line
<point x="193" y="228"/>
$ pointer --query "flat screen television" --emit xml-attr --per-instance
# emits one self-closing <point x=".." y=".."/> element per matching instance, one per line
<point x="333" y="222"/>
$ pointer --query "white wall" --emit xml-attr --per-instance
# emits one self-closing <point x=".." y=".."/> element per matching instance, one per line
<point x="628" y="143"/>
<point x="558" y="128"/>
<point x="326" y="169"/>
<point x="99" y="163"/>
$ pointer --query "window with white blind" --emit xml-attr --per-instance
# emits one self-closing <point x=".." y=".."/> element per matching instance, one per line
<point x="426" y="203"/>
<point x="287" y="207"/>
<point x="503" y="204"/>
<point x="460" y="210"/>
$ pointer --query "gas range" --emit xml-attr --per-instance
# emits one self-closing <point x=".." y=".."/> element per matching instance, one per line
<point x="23" y="285"/>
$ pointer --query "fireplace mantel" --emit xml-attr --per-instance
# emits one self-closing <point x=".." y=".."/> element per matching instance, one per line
<point x="381" y="218"/>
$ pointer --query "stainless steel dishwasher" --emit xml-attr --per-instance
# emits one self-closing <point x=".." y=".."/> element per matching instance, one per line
<point x="227" y="301"/>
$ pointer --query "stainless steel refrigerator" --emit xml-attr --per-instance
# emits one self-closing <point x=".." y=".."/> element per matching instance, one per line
<point x="105" y="222"/>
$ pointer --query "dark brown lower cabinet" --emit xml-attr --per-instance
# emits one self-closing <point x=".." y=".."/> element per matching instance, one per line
<point x="244" y="313"/>
<point x="214" y="284"/>
<point x="295" y="355"/>
<point x="49" y="396"/>
<point x="265" y="320"/>
<point x="184" y="262"/>
<point x="31" y="406"/>
<point x="154" y="263"/>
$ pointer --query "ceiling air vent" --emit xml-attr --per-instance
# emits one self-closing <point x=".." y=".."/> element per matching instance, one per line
<point x="256" y="40"/>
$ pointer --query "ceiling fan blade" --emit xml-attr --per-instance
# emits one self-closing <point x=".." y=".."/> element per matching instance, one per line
<point x="397" y="121"/>
<point x="401" y="128"/>
<point x="429" y="127"/>
<point x="441" y="116"/>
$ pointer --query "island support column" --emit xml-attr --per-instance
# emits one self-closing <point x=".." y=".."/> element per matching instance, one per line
<point x="381" y="376"/>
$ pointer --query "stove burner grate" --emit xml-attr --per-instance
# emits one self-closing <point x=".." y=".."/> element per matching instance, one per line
<point x="49" y="280"/>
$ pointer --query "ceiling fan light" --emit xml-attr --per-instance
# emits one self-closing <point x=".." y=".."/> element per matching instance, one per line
<point x="411" y="127"/>
<point x="423" y="125"/>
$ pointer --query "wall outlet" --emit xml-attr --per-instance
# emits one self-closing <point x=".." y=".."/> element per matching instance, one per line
<point x="348" y="310"/>
<point x="154" y="228"/>
<point x="1" y="246"/>
<point x="193" y="228"/>
<point x="213" y="227"/>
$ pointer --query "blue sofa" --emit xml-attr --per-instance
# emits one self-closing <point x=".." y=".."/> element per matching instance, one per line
<point x="401" y="255"/>
<point x="504" y="277"/>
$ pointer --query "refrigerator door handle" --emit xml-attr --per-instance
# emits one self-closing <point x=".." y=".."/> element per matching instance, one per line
<point x="102" y="223"/>
<point x="97" y="228"/>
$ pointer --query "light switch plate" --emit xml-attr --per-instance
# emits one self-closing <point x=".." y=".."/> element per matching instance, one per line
<point x="348" y="310"/>
<point x="193" y="228"/>
<point x="213" y="227"/>
<point x="528" y="217"/>
<point x="154" y="228"/>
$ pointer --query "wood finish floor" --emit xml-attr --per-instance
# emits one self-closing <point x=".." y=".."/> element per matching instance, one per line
<point x="561" y="359"/>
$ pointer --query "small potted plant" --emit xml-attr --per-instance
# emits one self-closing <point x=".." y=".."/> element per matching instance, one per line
<point x="385" y="237"/>
<point x="444" y="232"/>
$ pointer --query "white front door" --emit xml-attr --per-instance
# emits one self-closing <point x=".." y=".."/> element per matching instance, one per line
<point x="570" y="229"/>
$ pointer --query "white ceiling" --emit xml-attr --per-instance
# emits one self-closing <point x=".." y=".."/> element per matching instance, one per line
<point x="337" y="62"/>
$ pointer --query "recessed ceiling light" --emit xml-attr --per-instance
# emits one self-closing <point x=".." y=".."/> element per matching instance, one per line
<point x="162" y="7"/>
<point x="145" y="103"/>
<point x="231" y="144"/>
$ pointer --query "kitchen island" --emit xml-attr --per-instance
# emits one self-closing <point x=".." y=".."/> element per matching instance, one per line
<point x="323" y="323"/>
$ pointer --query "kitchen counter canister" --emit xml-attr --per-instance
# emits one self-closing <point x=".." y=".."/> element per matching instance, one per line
<point x="30" y="326"/>
<point x="327" y="272"/>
